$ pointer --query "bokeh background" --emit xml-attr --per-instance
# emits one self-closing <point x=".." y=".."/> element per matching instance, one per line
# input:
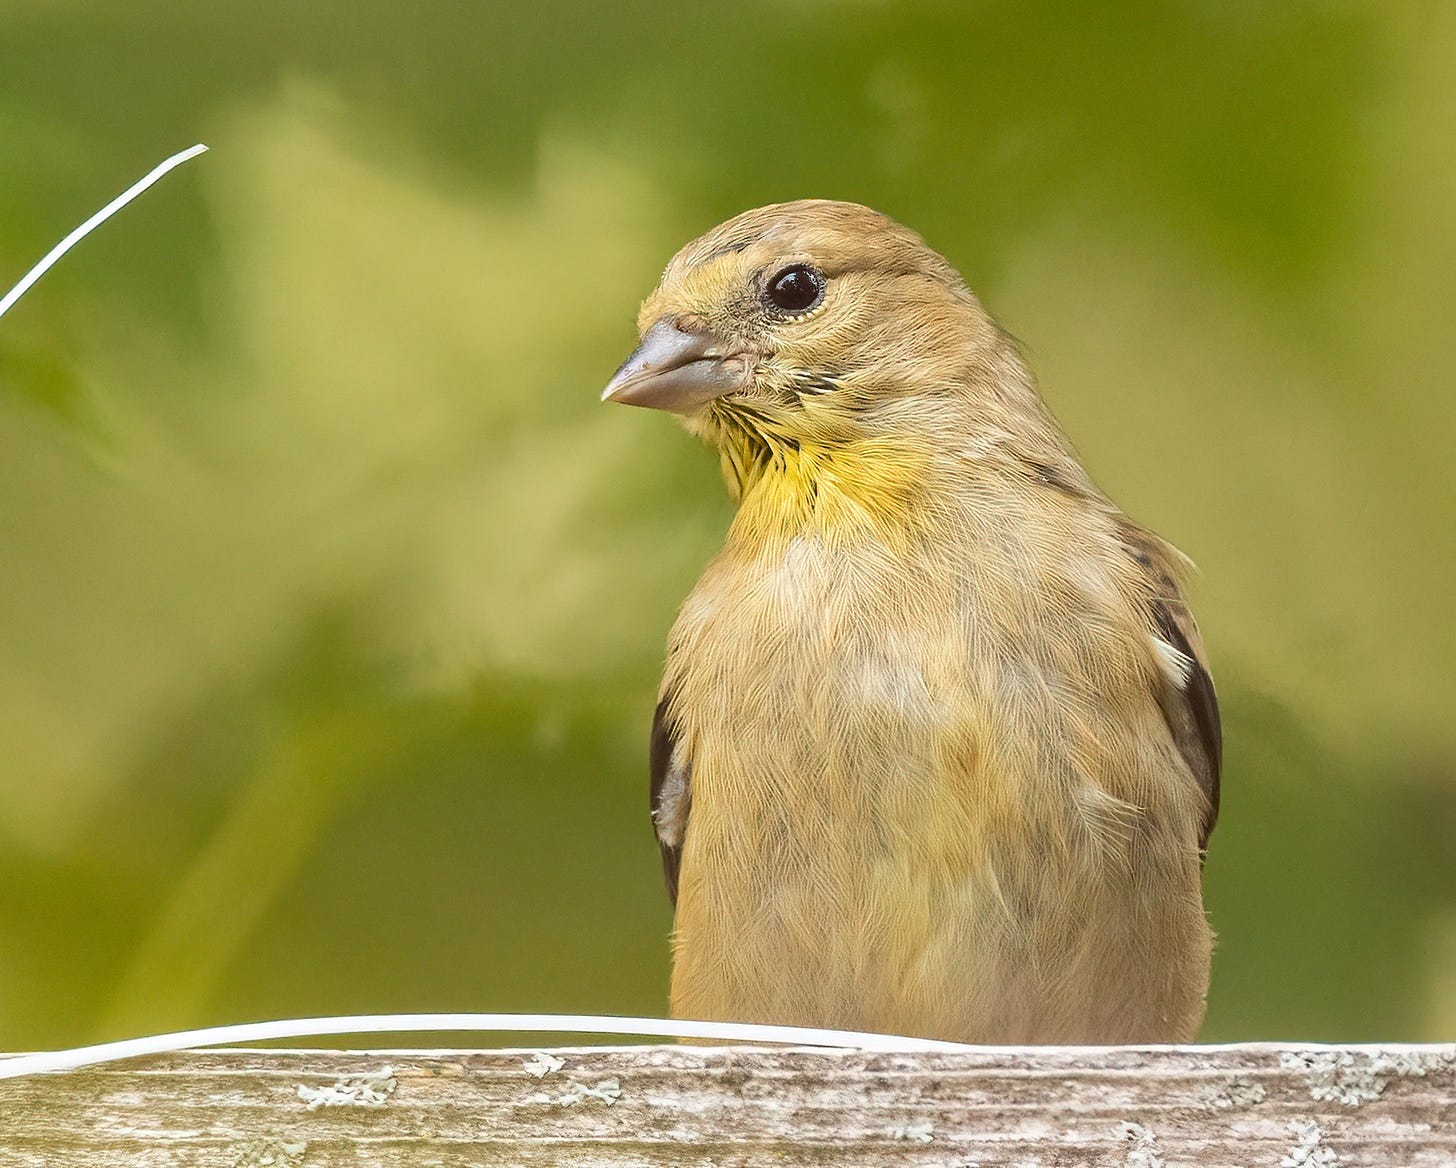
<point x="332" y="601"/>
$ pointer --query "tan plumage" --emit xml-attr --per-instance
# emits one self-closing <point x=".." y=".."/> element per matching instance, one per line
<point x="937" y="752"/>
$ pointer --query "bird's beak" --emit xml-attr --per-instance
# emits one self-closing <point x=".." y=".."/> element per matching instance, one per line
<point x="677" y="369"/>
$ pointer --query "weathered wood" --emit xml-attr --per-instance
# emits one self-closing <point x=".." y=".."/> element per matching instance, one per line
<point x="1240" y="1107"/>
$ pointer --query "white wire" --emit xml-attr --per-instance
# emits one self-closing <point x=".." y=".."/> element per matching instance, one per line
<point x="85" y="1056"/>
<point x="92" y="223"/>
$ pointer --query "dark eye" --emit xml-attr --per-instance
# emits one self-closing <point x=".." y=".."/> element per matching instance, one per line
<point x="796" y="289"/>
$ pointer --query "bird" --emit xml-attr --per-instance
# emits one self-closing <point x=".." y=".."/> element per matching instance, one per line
<point x="936" y="751"/>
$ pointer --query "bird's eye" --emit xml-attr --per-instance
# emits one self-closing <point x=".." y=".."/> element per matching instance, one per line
<point x="796" y="289"/>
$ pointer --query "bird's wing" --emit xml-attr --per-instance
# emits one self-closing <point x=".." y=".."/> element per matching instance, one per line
<point x="672" y="794"/>
<point x="1187" y="697"/>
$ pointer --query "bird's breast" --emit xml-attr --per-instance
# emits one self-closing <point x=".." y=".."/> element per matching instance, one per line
<point x="896" y="788"/>
<point x="824" y="703"/>
<point x="843" y="814"/>
<point x="820" y="650"/>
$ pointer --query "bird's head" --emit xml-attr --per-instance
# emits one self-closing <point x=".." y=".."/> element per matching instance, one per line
<point x="811" y="322"/>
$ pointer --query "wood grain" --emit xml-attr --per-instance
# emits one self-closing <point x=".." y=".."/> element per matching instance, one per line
<point x="1241" y="1106"/>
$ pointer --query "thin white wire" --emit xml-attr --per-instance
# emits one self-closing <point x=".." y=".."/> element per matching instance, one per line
<point x="107" y="1052"/>
<point x="95" y="221"/>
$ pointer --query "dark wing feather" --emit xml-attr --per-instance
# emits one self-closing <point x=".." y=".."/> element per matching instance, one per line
<point x="1190" y="708"/>
<point x="671" y="794"/>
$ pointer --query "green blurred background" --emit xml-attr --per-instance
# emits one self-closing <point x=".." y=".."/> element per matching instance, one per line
<point x="332" y="602"/>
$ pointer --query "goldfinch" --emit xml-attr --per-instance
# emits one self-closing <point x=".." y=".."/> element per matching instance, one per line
<point x="936" y="751"/>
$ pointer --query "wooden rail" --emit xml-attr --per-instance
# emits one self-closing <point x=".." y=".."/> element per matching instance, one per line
<point x="1233" y="1107"/>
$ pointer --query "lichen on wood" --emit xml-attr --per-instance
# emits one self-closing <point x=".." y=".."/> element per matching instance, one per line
<point x="1224" y="1107"/>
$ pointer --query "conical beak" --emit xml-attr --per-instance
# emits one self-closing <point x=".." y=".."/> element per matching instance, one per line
<point x="677" y="369"/>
